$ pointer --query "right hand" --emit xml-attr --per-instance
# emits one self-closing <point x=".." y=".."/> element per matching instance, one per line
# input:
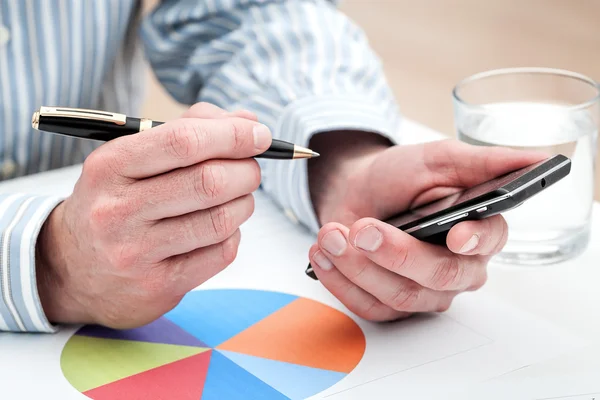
<point x="152" y="216"/>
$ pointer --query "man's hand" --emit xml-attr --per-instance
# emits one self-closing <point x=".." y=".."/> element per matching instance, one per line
<point x="379" y="272"/>
<point x="152" y="216"/>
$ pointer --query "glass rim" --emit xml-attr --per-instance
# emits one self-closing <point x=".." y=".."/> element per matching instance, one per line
<point x="522" y="70"/>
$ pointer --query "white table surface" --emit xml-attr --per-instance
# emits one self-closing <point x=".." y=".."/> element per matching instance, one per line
<point x="565" y="294"/>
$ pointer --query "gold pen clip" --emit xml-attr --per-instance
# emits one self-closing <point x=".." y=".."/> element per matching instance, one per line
<point x="65" y="112"/>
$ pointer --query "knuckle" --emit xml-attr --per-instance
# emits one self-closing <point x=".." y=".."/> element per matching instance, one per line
<point x="356" y="274"/>
<point x="256" y="174"/>
<point x="373" y="310"/>
<point x="239" y="136"/>
<point x="503" y="238"/>
<point x="445" y="305"/>
<point x="447" y="274"/>
<point x="97" y="164"/>
<point x="229" y="249"/>
<point x="405" y="298"/>
<point x="250" y="204"/>
<point x="93" y="162"/>
<point x="200" y="107"/>
<point x="221" y="221"/>
<point x="402" y="260"/>
<point x="479" y="281"/>
<point x="183" y="142"/>
<point x="211" y="181"/>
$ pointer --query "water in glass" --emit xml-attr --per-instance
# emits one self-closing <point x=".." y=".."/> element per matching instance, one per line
<point x="553" y="225"/>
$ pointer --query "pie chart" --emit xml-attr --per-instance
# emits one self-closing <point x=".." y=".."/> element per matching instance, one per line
<point x="219" y="344"/>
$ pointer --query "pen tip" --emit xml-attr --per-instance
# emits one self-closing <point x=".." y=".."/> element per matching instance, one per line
<point x="315" y="154"/>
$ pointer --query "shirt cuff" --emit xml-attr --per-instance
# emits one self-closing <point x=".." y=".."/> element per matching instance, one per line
<point x="22" y="217"/>
<point x="304" y="118"/>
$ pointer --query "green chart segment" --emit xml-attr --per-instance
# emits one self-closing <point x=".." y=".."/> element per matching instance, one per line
<point x="219" y="344"/>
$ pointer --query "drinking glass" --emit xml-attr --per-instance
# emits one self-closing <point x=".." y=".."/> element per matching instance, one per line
<point x="552" y="110"/>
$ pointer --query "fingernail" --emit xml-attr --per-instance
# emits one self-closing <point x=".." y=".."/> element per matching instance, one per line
<point x="262" y="137"/>
<point x="321" y="261"/>
<point x="470" y="245"/>
<point x="368" y="238"/>
<point x="334" y="242"/>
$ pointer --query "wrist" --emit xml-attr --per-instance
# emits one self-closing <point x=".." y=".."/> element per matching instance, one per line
<point x="51" y="271"/>
<point x="345" y="157"/>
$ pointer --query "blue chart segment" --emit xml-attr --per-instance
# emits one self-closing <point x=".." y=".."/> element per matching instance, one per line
<point x="293" y="380"/>
<point x="226" y="380"/>
<point x="223" y="314"/>
<point x="219" y="344"/>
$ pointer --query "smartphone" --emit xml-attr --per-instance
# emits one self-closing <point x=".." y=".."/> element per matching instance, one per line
<point x="432" y="222"/>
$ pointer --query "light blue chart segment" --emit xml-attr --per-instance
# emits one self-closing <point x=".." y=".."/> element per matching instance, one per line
<point x="223" y="313"/>
<point x="227" y="381"/>
<point x="294" y="381"/>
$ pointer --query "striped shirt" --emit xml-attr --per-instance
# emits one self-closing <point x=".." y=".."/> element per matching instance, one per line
<point x="301" y="65"/>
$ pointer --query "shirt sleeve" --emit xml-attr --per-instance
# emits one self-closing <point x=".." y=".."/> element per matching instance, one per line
<point x="301" y="65"/>
<point x="21" y="218"/>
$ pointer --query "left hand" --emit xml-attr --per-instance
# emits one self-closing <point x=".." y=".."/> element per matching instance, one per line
<point x="379" y="272"/>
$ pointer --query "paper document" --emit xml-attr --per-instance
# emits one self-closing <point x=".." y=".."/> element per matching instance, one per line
<point x="478" y="338"/>
<point x="429" y="355"/>
<point x="571" y="376"/>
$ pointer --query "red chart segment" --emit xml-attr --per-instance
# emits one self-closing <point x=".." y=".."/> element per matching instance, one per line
<point x="182" y="380"/>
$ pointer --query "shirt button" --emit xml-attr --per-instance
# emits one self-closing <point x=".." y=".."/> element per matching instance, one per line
<point x="8" y="168"/>
<point x="4" y="35"/>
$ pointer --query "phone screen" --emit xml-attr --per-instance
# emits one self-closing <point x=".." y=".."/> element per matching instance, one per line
<point x="459" y="197"/>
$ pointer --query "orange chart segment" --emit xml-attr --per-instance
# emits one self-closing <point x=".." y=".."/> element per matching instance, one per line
<point x="304" y="332"/>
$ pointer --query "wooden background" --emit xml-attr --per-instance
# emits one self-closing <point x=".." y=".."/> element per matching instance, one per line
<point x="429" y="45"/>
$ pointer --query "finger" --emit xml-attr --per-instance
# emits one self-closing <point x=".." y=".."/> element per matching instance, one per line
<point x="187" y="271"/>
<point x="487" y="236"/>
<point x="354" y="298"/>
<point x="208" y="110"/>
<point x="461" y="164"/>
<point x="196" y="187"/>
<point x="185" y="142"/>
<point x="205" y="110"/>
<point x="180" y="235"/>
<point x="245" y="114"/>
<point x="431" y="266"/>
<point x="446" y="164"/>
<point x="393" y="290"/>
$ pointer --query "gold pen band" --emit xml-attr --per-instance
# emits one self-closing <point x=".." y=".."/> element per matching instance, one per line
<point x="35" y="120"/>
<point x="145" y="124"/>
<point x="66" y="112"/>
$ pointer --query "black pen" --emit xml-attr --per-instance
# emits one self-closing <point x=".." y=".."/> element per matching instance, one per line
<point x="105" y="126"/>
